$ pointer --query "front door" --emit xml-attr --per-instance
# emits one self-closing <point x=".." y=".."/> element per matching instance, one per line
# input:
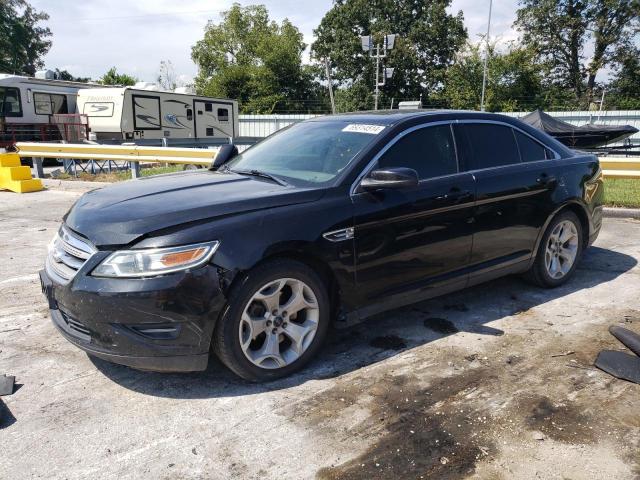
<point x="410" y="242"/>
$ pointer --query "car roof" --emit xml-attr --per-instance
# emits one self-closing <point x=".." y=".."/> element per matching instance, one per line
<point x="392" y="117"/>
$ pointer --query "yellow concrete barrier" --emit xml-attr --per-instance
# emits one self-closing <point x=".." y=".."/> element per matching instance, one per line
<point x="16" y="177"/>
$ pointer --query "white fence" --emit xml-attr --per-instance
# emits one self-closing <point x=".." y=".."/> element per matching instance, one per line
<point x="264" y="125"/>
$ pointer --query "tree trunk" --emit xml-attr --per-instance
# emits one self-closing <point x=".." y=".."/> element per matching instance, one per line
<point x="595" y="65"/>
<point x="575" y="38"/>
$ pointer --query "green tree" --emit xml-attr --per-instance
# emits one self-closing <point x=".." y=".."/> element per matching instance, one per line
<point x="513" y="81"/>
<point x="254" y="60"/>
<point x="559" y="31"/>
<point x="612" y="24"/>
<point x="112" y="77"/>
<point x="429" y="38"/>
<point x="65" y="75"/>
<point x="23" y="41"/>
<point x="624" y="89"/>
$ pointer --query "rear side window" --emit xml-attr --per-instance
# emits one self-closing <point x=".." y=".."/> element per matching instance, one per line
<point x="530" y="150"/>
<point x="488" y="145"/>
<point x="429" y="151"/>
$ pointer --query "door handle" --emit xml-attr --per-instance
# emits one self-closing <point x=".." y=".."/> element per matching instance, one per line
<point x="545" y="179"/>
<point x="454" y="195"/>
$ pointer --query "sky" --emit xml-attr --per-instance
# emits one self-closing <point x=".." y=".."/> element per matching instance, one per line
<point x="91" y="36"/>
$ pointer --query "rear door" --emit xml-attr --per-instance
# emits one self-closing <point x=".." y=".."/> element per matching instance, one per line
<point x="417" y="238"/>
<point x="512" y="195"/>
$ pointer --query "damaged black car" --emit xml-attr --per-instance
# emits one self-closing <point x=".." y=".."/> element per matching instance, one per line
<point x="329" y="221"/>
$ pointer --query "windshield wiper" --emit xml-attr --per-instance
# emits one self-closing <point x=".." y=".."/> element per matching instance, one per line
<point x="259" y="173"/>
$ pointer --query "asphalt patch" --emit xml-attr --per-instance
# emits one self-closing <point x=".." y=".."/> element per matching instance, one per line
<point x="388" y="342"/>
<point x="440" y="325"/>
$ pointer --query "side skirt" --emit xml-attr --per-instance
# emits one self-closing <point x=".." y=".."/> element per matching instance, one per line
<point x="414" y="296"/>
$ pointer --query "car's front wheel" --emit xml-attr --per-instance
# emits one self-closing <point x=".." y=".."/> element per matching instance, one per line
<point x="275" y="321"/>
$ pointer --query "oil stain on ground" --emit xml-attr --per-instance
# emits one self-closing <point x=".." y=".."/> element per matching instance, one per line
<point x="562" y="421"/>
<point x="423" y="431"/>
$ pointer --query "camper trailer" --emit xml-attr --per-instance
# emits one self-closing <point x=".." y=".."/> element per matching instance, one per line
<point x="29" y="107"/>
<point x="126" y="114"/>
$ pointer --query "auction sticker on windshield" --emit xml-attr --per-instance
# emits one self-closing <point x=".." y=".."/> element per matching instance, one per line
<point x="363" y="128"/>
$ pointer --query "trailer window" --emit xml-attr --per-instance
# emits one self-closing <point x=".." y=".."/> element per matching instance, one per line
<point x="208" y="107"/>
<point x="50" y="103"/>
<point x="223" y="115"/>
<point x="10" y="105"/>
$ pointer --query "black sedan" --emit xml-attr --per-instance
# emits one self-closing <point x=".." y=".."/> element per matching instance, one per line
<point x="330" y="220"/>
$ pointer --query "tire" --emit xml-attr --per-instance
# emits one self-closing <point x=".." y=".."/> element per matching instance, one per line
<point x="248" y="330"/>
<point x="542" y="272"/>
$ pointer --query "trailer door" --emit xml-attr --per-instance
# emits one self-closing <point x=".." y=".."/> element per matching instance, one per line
<point x="213" y="119"/>
<point x="146" y="112"/>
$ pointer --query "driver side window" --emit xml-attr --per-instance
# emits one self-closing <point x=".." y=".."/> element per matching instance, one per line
<point x="429" y="151"/>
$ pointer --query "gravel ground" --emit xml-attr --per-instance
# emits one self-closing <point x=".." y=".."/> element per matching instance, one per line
<point x="494" y="382"/>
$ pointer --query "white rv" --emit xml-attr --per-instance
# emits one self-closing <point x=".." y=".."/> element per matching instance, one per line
<point x="27" y="106"/>
<point x="130" y="114"/>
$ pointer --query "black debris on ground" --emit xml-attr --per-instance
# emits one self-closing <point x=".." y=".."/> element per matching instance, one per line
<point x="6" y="384"/>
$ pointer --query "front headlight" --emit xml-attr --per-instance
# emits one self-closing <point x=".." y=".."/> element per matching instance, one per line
<point x="156" y="261"/>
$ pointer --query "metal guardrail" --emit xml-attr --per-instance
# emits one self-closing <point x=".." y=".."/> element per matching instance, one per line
<point x="613" y="167"/>
<point x="133" y="154"/>
<point x="620" y="167"/>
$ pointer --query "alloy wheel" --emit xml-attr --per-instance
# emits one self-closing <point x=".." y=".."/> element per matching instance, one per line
<point x="562" y="249"/>
<point x="279" y="323"/>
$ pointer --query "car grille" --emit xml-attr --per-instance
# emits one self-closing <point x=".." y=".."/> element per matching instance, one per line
<point x="67" y="254"/>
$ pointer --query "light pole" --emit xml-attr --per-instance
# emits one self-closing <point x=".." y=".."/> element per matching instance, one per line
<point x="486" y="57"/>
<point x="387" y="44"/>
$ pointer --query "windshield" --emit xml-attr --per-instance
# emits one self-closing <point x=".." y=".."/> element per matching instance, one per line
<point x="307" y="153"/>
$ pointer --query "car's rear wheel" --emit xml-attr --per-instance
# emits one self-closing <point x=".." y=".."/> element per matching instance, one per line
<point x="559" y="251"/>
<point x="275" y="321"/>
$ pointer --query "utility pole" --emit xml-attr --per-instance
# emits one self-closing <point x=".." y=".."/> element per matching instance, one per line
<point x="328" y="70"/>
<point x="387" y="44"/>
<point x="486" y="58"/>
<point x="377" y="94"/>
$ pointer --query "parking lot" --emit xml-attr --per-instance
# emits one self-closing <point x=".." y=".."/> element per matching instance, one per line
<point x="494" y="382"/>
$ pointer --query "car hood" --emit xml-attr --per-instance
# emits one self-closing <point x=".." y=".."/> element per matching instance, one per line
<point x="122" y="213"/>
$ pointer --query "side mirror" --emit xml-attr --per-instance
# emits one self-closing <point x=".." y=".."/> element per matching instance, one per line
<point x="225" y="153"/>
<point x="399" y="177"/>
